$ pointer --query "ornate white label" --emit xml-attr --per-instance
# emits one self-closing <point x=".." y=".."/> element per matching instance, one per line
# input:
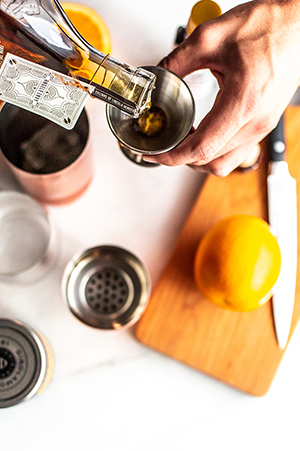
<point x="43" y="91"/>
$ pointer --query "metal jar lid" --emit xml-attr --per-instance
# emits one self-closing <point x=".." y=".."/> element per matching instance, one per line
<point x="106" y="287"/>
<point x="23" y="362"/>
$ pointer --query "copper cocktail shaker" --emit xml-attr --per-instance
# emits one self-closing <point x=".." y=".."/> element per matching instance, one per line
<point x="53" y="164"/>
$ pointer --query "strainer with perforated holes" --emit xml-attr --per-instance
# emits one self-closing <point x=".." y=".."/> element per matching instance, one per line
<point x="106" y="287"/>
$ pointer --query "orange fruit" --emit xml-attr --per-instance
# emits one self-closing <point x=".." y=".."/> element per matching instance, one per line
<point x="237" y="263"/>
<point x="90" y="25"/>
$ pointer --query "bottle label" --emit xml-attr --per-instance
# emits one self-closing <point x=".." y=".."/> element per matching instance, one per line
<point x="114" y="99"/>
<point x="42" y="91"/>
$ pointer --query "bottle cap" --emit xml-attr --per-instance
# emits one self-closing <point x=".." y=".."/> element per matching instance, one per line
<point x="202" y="11"/>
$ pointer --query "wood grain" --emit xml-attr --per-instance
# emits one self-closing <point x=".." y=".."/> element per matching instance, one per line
<point x="239" y="349"/>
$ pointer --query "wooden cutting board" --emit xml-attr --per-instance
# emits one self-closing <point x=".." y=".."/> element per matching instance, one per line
<point x="237" y="348"/>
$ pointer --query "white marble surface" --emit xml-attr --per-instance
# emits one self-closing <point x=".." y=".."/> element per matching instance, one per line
<point x="109" y="392"/>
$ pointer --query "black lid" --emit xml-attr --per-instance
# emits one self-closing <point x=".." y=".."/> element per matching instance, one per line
<point x="21" y="362"/>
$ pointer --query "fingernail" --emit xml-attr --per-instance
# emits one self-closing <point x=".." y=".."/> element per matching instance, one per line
<point x="148" y="159"/>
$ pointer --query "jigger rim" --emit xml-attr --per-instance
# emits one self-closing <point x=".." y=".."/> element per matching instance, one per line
<point x="110" y="110"/>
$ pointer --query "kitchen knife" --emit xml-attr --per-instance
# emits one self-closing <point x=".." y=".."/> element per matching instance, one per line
<point x="282" y="204"/>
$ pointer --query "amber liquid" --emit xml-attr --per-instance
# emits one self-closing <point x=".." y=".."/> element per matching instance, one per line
<point x="132" y="90"/>
<point x="151" y="123"/>
<point x="13" y="40"/>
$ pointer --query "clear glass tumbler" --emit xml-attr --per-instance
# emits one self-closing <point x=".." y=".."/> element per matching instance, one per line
<point x="28" y="239"/>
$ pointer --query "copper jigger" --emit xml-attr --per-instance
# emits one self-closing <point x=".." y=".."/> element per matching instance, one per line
<point x="53" y="164"/>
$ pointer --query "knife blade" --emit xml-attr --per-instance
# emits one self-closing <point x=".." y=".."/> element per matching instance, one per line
<point x="282" y="206"/>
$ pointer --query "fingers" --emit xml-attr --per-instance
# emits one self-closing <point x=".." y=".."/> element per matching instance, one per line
<point x="237" y="152"/>
<point x="224" y="165"/>
<point x="214" y="134"/>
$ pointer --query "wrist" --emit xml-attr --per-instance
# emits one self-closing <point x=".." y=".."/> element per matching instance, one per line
<point x="284" y="14"/>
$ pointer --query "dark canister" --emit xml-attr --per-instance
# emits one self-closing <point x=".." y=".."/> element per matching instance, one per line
<point x="26" y="362"/>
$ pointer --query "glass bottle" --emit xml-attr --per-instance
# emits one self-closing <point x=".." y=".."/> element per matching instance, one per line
<point x="39" y="31"/>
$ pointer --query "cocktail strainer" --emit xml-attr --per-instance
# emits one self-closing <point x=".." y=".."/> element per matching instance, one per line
<point x="106" y="287"/>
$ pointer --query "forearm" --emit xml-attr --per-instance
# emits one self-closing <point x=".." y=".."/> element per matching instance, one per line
<point x="286" y="15"/>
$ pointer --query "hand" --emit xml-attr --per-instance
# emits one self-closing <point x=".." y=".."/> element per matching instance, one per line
<point x="253" y="51"/>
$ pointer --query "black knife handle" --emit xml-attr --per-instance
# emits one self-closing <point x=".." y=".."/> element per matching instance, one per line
<point x="276" y="142"/>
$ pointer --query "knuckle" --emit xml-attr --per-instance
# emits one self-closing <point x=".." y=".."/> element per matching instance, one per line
<point x="203" y="154"/>
<point x="208" y="154"/>
<point x="252" y="103"/>
<point x="265" y="125"/>
<point x="204" y="33"/>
